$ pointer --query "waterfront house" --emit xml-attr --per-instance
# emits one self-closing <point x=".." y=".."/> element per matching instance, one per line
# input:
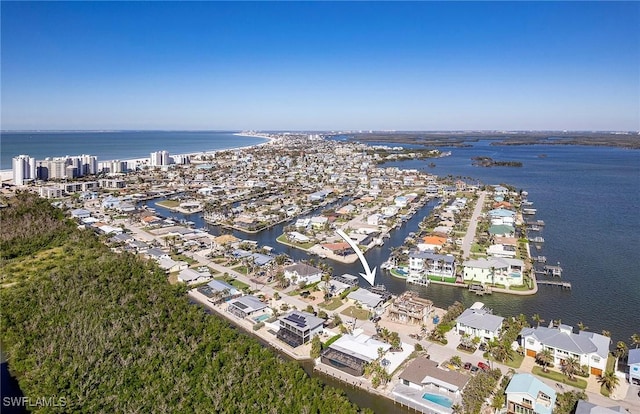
<point x="423" y="373"/>
<point x="479" y="322"/>
<point x="366" y="298"/>
<point x="494" y="270"/>
<point x="528" y="395"/>
<point x="302" y="272"/>
<point x="426" y="263"/>
<point x="191" y="276"/>
<point x="80" y="213"/>
<point x="503" y="230"/>
<point x="501" y="250"/>
<point x="633" y="361"/>
<point x="350" y="280"/>
<point x="219" y="291"/>
<point x="590" y="349"/>
<point x="585" y="407"/>
<point x="410" y="308"/>
<point x="351" y="353"/>
<point x="245" y="306"/>
<point x="297" y="328"/>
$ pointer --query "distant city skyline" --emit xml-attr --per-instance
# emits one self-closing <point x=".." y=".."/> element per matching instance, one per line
<point x="405" y="66"/>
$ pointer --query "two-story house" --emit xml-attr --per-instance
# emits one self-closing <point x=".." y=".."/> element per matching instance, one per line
<point x="528" y="395"/>
<point x="494" y="270"/>
<point x="589" y="348"/>
<point x="479" y="322"/>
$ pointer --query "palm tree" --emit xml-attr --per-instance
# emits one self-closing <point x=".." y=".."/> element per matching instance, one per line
<point x="635" y="339"/>
<point x="537" y="319"/>
<point x="609" y="380"/>
<point x="606" y="333"/>
<point x="582" y="326"/>
<point x="545" y="358"/>
<point x="498" y="402"/>
<point x="621" y="351"/>
<point x="570" y="367"/>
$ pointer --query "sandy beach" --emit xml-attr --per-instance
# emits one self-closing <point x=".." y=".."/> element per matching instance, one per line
<point x="7" y="175"/>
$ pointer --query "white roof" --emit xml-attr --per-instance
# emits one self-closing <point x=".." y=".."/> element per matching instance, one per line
<point x="361" y="346"/>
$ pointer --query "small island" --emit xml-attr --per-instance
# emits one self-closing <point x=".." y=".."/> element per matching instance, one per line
<point x="490" y="162"/>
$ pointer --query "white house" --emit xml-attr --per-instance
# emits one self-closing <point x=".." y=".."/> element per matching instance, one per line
<point x="191" y="276"/>
<point x="501" y="250"/>
<point x="374" y="219"/>
<point x="302" y="272"/>
<point x="527" y="394"/>
<point x="479" y="322"/>
<point x="428" y="263"/>
<point x="499" y="270"/>
<point x="590" y="349"/>
<point x="389" y="211"/>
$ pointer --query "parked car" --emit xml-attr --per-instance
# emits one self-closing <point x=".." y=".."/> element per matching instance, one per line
<point x="474" y="369"/>
<point x="483" y="366"/>
<point x="467" y="365"/>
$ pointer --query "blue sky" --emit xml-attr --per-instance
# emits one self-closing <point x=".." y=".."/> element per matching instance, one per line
<point x="321" y="65"/>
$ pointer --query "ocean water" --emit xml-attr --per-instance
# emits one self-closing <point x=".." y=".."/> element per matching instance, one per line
<point x="589" y="199"/>
<point x="115" y="145"/>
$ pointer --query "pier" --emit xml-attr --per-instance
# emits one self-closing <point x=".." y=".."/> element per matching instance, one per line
<point x="537" y="239"/>
<point x="539" y="223"/>
<point x="564" y="285"/>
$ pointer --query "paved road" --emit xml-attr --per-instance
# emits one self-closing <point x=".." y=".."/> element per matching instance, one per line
<point x="468" y="238"/>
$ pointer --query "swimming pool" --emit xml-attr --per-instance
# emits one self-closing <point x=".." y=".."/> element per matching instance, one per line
<point x="261" y="317"/>
<point x="438" y="399"/>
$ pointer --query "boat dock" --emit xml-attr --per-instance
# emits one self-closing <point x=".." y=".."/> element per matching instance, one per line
<point x="540" y="259"/>
<point x="539" y="223"/>
<point x="479" y="290"/>
<point x="537" y="239"/>
<point x="564" y="285"/>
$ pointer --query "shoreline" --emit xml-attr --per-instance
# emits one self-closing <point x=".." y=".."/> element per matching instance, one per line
<point x="7" y="174"/>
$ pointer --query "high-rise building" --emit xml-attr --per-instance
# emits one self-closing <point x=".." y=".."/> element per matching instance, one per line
<point x="159" y="158"/>
<point x="24" y="168"/>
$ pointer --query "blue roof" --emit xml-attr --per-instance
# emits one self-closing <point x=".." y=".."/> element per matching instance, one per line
<point x="527" y="383"/>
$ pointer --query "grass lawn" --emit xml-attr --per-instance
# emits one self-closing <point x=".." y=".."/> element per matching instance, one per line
<point x="241" y="269"/>
<point x="559" y="377"/>
<point x="477" y="248"/>
<point x="331" y="304"/>
<point x="354" y="312"/>
<point x="233" y="282"/>
<point x="513" y="363"/>
<point x="168" y="203"/>
<point x="611" y="361"/>
<point x="184" y="258"/>
<point x="440" y="279"/>
<point x="283" y="239"/>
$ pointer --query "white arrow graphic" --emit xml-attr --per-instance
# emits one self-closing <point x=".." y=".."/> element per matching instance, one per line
<point x="368" y="275"/>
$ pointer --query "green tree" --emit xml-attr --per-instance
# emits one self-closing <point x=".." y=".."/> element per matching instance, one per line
<point x="537" y="319"/>
<point x="544" y="358"/>
<point x="316" y="347"/>
<point x="582" y="326"/>
<point x="609" y="380"/>
<point x="498" y="402"/>
<point x="570" y="367"/>
<point x="635" y="340"/>
<point x="566" y="401"/>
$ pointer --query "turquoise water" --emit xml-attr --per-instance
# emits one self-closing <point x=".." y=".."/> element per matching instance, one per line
<point x="261" y="318"/>
<point x="438" y="399"/>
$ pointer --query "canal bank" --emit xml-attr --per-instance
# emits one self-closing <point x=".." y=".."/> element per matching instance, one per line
<point x="371" y="399"/>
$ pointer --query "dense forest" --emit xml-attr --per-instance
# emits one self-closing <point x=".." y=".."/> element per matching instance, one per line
<point x="106" y="332"/>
